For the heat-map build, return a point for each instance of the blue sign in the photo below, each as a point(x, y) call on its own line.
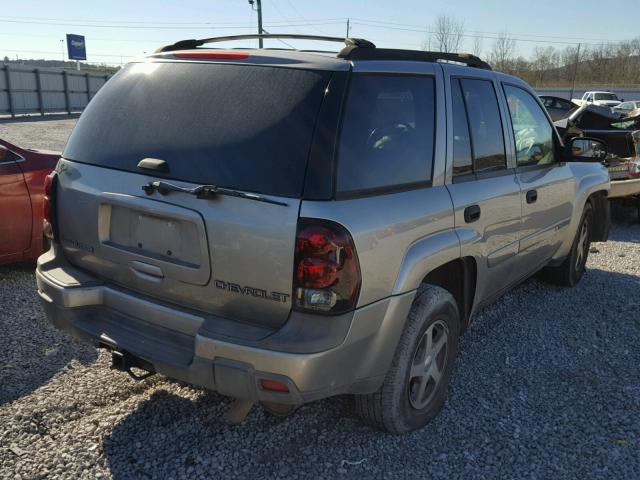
point(76, 48)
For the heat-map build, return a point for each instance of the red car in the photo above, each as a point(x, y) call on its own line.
point(22, 174)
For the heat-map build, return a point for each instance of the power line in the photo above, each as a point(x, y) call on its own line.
point(160, 27)
point(423, 28)
point(154, 22)
point(297, 12)
point(498, 35)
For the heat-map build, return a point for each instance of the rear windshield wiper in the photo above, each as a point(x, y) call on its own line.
point(204, 191)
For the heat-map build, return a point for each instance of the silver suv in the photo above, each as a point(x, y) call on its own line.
point(283, 226)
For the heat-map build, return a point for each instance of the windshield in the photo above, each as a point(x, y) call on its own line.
point(605, 96)
point(237, 126)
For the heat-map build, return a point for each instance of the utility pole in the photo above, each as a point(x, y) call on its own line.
point(258, 9)
point(575, 72)
point(347, 28)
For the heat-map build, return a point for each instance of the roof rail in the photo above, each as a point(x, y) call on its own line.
point(353, 53)
point(193, 43)
point(355, 49)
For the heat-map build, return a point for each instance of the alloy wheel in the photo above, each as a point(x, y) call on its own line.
point(583, 245)
point(429, 363)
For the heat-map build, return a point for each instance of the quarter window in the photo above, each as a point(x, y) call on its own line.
point(531, 129)
point(388, 132)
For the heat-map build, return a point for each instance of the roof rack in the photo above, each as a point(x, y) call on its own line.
point(193, 43)
point(354, 53)
point(355, 49)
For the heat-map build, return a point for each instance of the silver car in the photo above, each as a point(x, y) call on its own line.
point(283, 226)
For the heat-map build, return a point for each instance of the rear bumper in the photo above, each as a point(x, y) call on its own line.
point(624, 188)
point(351, 355)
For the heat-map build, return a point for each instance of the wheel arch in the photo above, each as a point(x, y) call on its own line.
point(436, 260)
point(458, 277)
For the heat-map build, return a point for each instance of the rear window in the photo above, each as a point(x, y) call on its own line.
point(237, 126)
point(605, 96)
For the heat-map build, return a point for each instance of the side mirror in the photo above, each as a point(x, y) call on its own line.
point(622, 99)
point(586, 149)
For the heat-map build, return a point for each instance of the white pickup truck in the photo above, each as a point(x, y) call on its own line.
point(605, 99)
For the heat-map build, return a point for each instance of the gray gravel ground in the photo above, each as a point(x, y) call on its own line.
point(48, 133)
point(546, 386)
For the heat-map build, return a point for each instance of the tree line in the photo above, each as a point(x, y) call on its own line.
point(603, 64)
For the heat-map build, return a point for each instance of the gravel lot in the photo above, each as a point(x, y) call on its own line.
point(546, 386)
point(48, 133)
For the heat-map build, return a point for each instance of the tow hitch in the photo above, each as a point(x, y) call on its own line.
point(124, 362)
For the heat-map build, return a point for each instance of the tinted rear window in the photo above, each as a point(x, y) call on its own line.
point(238, 126)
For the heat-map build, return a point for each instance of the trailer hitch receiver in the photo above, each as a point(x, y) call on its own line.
point(124, 362)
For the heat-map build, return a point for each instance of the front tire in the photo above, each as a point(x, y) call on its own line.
point(570, 272)
point(415, 387)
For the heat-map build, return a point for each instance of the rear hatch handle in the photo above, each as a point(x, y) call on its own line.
point(205, 192)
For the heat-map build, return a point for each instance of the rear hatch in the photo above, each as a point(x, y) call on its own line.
point(247, 128)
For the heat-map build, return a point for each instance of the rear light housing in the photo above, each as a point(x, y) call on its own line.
point(48, 205)
point(634, 168)
point(326, 276)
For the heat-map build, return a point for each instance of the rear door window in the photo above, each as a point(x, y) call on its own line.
point(485, 124)
point(388, 133)
point(238, 126)
point(478, 140)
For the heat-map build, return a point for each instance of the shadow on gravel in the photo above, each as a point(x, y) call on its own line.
point(31, 350)
point(169, 436)
point(537, 392)
point(625, 212)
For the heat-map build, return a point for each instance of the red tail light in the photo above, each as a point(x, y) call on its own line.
point(326, 277)
point(48, 205)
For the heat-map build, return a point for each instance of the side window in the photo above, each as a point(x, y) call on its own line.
point(566, 105)
point(485, 125)
point(531, 129)
point(388, 132)
point(548, 102)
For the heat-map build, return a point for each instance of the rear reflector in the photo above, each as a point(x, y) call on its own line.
point(274, 385)
point(47, 205)
point(212, 55)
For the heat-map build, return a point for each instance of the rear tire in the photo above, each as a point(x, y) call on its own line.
point(415, 386)
point(569, 273)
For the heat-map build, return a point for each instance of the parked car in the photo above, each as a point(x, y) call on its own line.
point(603, 99)
point(22, 176)
point(627, 107)
point(557, 107)
point(283, 226)
point(621, 134)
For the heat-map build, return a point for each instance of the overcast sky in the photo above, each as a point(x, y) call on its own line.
point(119, 30)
